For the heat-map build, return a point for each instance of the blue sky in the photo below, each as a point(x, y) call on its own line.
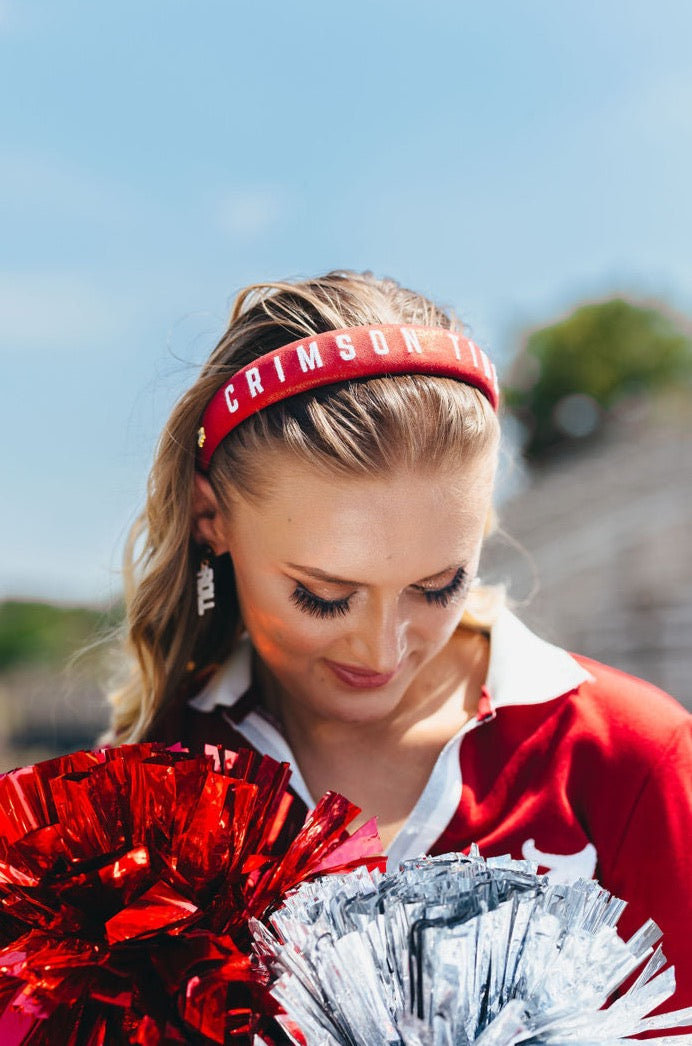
point(509, 159)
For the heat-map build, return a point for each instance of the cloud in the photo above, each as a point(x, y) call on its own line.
point(51, 310)
point(249, 213)
point(50, 184)
point(665, 105)
point(653, 112)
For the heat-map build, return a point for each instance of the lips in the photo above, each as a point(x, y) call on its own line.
point(360, 678)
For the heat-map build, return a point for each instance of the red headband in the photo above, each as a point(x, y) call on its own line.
point(325, 359)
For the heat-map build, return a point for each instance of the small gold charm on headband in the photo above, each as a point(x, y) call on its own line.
point(201, 437)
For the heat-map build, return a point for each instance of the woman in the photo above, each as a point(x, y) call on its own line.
point(306, 584)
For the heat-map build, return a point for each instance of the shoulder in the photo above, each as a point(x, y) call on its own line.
point(596, 711)
point(625, 738)
point(630, 707)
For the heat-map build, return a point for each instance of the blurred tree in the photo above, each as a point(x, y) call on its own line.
point(568, 375)
point(39, 633)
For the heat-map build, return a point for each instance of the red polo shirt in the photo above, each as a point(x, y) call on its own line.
point(578, 767)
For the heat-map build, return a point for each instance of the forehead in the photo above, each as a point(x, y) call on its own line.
point(349, 523)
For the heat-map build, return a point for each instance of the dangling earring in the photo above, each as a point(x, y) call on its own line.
point(205, 582)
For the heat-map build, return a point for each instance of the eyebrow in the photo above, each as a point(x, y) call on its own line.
point(323, 575)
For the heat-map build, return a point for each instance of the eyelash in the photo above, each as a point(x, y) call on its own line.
point(442, 596)
point(311, 604)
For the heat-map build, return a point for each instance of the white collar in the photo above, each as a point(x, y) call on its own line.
point(523, 669)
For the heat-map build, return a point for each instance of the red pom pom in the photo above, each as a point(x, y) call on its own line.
point(127, 878)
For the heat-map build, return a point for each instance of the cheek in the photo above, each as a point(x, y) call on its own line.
point(442, 623)
point(435, 625)
point(279, 631)
point(282, 639)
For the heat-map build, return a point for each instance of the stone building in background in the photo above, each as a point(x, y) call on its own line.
point(596, 550)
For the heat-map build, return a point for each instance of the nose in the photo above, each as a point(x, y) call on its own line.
point(379, 641)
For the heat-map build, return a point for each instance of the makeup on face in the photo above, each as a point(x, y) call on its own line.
point(311, 603)
point(349, 587)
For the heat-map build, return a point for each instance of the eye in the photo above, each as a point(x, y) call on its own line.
point(309, 603)
point(441, 597)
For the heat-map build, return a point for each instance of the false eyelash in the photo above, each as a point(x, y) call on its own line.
point(442, 596)
point(312, 604)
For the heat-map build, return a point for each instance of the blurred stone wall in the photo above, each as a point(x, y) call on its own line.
point(48, 712)
point(596, 551)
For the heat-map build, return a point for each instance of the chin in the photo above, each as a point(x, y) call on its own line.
point(364, 708)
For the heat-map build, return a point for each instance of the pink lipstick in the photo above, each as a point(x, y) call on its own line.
point(360, 678)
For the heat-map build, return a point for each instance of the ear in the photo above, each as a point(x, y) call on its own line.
point(207, 522)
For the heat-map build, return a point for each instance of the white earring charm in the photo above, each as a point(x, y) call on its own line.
point(205, 583)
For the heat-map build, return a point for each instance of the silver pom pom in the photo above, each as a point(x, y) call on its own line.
point(455, 950)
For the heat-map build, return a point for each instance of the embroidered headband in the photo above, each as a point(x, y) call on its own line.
point(325, 359)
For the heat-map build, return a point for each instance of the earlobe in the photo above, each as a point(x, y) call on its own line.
point(207, 523)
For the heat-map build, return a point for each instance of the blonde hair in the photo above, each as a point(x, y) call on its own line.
point(361, 427)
